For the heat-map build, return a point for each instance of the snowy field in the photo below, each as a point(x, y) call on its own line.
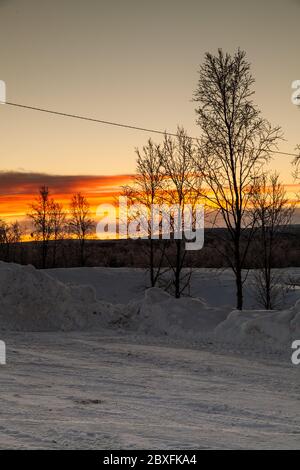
point(95, 361)
point(120, 285)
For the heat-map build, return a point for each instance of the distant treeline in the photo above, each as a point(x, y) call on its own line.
point(135, 253)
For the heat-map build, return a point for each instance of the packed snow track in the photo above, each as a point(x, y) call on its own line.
point(113, 391)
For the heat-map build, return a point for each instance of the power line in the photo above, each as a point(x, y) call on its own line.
point(86, 118)
point(111, 123)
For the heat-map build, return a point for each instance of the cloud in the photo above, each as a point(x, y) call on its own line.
point(18, 189)
point(18, 183)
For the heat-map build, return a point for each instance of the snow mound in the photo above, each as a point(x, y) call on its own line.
point(261, 328)
point(161, 314)
point(31, 300)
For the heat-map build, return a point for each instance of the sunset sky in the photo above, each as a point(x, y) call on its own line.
point(128, 61)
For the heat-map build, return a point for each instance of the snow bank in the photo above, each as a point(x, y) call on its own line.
point(31, 300)
point(261, 328)
point(161, 314)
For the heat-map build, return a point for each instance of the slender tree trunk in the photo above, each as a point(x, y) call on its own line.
point(268, 283)
point(239, 290)
point(178, 269)
point(152, 277)
point(268, 296)
point(238, 273)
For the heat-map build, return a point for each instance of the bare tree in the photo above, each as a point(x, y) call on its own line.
point(10, 235)
point(80, 222)
point(58, 221)
point(41, 216)
point(144, 191)
point(4, 245)
point(235, 143)
point(182, 187)
point(272, 213)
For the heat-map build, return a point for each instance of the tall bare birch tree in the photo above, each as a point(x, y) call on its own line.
point(235, 143)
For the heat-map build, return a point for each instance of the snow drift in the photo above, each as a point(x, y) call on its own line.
point(261, 328)
point(158, 313)
point(31, 300)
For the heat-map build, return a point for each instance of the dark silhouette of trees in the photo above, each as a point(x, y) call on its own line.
point(80, 222)
point(10, 235)
point(145, 190)
point(164, 187)
point(272, 213)
point(58, 221)
point(41, 216)
point(182, 188)
point(234, 145)
point(49, 224)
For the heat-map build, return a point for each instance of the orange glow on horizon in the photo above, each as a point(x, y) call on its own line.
point(18, 191)
point(15, 202)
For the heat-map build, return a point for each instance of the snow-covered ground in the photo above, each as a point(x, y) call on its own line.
point(104, 391)
point(96, 361)
point(120, 285)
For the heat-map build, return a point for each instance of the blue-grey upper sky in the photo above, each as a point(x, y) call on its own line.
point(134, 62)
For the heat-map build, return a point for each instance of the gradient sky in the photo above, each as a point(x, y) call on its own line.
point(134, 62)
